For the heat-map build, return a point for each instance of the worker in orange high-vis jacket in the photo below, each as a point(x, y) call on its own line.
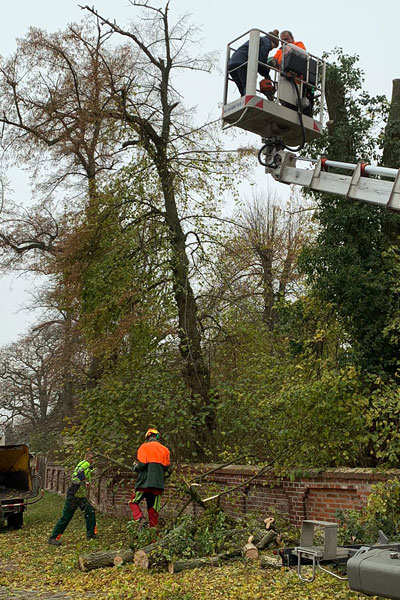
point(276, 61)
point(153, 464)
point(286, 37)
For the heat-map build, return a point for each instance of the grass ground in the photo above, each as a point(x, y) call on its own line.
point(27, 562)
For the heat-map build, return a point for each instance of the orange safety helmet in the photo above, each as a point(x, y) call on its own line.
point(152, 431)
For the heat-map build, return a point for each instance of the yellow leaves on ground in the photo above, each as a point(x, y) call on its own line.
point(27, 562)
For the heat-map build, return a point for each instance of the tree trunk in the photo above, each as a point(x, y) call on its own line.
point(195, 370)
point(269, 313)
point(391, 142)
point(391, 154)
point(342, 147)
point(98, 560)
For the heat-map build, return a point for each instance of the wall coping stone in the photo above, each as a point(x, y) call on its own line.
point(249, 470)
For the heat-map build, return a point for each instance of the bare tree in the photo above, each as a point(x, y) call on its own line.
point(56, 95)
point(257, 265)
point(31, 381)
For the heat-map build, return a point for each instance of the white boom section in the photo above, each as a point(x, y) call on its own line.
point(358, 186)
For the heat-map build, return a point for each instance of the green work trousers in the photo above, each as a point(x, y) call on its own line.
point(70, 506)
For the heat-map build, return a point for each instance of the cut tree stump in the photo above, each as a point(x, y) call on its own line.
point(143, 557)
point(98, 560)
point(249, 550)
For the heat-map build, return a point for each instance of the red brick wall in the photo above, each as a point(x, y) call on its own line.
point(312, 496)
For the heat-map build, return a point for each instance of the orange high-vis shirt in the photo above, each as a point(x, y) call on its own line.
point(278, 55)
point(153, 452)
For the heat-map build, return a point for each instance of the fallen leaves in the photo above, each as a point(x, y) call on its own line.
point(27, 562)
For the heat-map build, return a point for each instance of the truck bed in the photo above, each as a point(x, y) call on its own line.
point(12, 493)
point(15, 476)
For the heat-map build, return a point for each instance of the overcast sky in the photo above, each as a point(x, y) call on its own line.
point(365, 28)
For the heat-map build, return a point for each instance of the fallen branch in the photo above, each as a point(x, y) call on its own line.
point(266, 539)
point(236, 487)
point(235, 459)
point(112, 460)
point(147, 557)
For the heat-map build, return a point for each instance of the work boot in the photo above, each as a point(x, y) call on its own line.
point(54, 541)
point(91, 536)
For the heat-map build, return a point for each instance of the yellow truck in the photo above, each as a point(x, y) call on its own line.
point(17, 484)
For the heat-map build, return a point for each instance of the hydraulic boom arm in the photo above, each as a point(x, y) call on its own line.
point(361, 185)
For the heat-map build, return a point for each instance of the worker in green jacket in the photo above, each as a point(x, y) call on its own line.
point(77, 498)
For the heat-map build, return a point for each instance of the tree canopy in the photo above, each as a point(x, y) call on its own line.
point(269, 329)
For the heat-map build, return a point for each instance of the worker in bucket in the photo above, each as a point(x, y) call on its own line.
point(286, 38)
point(237, 65)
point(77, 498)
point(152, 466)
point(290, 45)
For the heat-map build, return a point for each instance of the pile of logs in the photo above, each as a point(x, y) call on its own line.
point(149, 556)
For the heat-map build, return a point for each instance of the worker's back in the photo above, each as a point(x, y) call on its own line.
point(153, 458)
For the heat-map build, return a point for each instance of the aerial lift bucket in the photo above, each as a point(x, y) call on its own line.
point(277, 117)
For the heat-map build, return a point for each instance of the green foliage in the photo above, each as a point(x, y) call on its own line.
point(382, 420)
point(357, 130)
point(292, 396)
point(44, 442)
point(190, 537)
point(139, 537)
point(350, 265)
point(115, 415)
point(351, 529)
point(382, 512)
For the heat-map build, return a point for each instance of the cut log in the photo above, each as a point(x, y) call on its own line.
point(98, 560)
point(205, 561)
point(249, 550)
point(258, 534)
point(266, 539)
point(144, 558)
point(124, 556)
point(141, 559)
point(269, 521)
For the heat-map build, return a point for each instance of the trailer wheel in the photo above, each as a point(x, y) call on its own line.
point(15, 520)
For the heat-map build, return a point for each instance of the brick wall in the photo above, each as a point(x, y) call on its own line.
point(316, 495)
